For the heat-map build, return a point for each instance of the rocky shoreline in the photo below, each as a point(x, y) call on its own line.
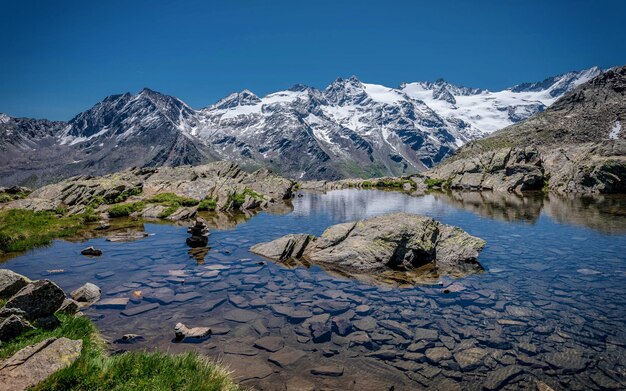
point(172, 193)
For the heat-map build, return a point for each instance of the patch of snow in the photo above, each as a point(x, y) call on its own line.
point(4, 118)
point(383, 94)
point(616, 130)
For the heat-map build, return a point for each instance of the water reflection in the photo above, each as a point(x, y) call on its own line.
point(496, 205)
point(603, 213)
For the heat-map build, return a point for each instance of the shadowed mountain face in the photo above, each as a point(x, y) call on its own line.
point(349, 129)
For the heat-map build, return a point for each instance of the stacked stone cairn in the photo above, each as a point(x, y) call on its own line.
point(199, 234)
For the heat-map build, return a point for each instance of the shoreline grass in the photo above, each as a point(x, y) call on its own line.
point(22, 229)
point(97, 370)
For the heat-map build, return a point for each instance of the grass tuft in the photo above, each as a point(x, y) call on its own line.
point(434, 182)
point(208, 204)
point(171, 198)
point(122, 210)
point(238, 199)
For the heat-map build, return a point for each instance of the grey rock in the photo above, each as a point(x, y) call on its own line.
point(88, 293)
point(327, 370)
point(291, 313)
point(181, 332)
point(13, 326)
point(362, 309)
point(69, 307)
point(385, 354)
point(130, 338)
point(241, 350)
point(569, 360)
point(470, 359)
point(47, 322)
point(38, 299)
point(140, 309)
point(366, 323)
point(184, 297)
point(33, 364)
point(247, 368)
point(11, 282)
point(240, 315)
point(271, 344)
point(289, 246)
point(426, 334)
point(499, 377)
point(92, 252)
point(287, 356)
point(113, 303)
point(396, 327)
point(341, 326)
point(393, 241)
point(436, 355)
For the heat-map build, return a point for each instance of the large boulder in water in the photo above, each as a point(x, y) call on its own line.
point(38, 299)
point(397, 241)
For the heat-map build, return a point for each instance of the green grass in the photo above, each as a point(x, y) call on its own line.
point(171, 198)
point(96, 370)
point(171, 202)
point(122, 210)
point(208, 204)
point(171, 208)
point(96, 201)
point(392, 183)
point(90, 215)
point(435, 182)
point(123, 196)
point(24, 229)
point(239, 198)
point(6, 197)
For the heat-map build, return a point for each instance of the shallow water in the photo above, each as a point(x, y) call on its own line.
point(550, 306)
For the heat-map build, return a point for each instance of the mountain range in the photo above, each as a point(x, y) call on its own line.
point(348, 129)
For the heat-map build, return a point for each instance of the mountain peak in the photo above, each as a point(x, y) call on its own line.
point(558, 85)
point(299, 87)
point(343, 91)
point(243, 98)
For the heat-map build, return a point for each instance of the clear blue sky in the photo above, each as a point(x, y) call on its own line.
point(58, 58)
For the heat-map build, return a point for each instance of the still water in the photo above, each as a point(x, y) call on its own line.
point(549, 308)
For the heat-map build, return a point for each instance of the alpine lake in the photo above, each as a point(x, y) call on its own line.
point(550, 307)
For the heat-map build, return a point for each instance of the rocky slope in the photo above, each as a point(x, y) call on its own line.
point(383, 248)
point(349, 129)
point(575, 146)
point(175, 193)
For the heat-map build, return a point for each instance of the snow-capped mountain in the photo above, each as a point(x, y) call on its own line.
point(486, 111)
point(350, 128)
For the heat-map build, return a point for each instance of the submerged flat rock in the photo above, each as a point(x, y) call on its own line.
point(140, 309)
